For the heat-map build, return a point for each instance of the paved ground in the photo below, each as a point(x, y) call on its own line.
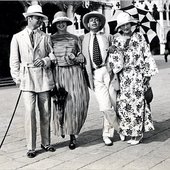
point(91, 153)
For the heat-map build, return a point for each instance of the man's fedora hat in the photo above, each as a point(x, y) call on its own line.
point(35, 10)
point(124, 18)
point(61, 16)
point(87, 16)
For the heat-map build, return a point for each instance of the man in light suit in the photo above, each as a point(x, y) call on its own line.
point(98, 75)
point(30, 69)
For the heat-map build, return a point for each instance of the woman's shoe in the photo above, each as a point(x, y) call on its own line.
point(72, 144)
point(130, 141)
point(122, 137)
point(31, 154)
point(48, 148)
point(135, 140)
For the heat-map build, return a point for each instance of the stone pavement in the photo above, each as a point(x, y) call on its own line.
point(91, 154)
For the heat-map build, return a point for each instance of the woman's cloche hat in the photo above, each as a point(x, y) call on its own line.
point(35, 10)
point(124, 18)
point(61, 16)
point(87, 16)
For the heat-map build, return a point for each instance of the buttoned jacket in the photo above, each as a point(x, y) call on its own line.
point(22, 56)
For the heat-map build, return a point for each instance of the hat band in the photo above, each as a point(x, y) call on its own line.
point(37, 13)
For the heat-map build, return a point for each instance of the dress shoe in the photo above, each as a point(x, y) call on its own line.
point(107, 141)
point(122, 137)
point(72, 144)
point(48, 148)
point(31, 154)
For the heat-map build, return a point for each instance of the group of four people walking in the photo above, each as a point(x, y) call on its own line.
point(117, 68)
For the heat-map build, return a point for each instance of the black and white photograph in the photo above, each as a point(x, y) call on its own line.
point(85, 85)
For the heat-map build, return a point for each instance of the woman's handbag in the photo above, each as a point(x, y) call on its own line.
point(148, 95)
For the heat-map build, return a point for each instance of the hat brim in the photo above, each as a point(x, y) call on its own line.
point(69, 22)
point(132, 22)
point(35, 14)
point(89, 15)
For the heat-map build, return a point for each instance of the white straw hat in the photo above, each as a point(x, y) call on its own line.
point(35, 10)
point(61, 16)
point(124, 18)
point(87, 16)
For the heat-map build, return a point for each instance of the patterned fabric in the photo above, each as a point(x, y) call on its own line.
point(131, 106)
point(70, 77)
point(97, 58)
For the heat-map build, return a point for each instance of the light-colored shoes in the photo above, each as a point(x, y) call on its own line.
point(135, 140)
point(122, 137)
point(130, 141)
point(107, 141)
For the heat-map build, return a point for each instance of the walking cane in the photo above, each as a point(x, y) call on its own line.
point(11, 119)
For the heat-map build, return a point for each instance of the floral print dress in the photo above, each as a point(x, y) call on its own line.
point(133, 112)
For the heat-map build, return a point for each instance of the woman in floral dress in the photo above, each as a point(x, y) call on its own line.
point(138, 67)
point(69, 75)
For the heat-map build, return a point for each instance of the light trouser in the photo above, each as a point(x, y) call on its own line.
point(106, 97)
point(44, 106)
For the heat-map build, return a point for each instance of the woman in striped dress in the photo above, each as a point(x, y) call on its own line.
point(69, 75)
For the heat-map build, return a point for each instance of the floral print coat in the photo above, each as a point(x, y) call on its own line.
point(138, 63)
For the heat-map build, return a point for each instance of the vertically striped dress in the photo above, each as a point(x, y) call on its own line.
point(70, 76)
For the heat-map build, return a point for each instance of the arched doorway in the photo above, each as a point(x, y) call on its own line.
point(10, 22)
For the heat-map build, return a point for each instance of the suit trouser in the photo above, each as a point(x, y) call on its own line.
point(44, 106)
point(106, 99)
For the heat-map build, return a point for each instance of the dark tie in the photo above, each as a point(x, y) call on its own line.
point(32, 38)
point(97, 58)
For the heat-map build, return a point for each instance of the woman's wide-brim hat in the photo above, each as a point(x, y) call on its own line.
point(61, 16)
point(35, 10)
point(87, 16)
point(124, 18)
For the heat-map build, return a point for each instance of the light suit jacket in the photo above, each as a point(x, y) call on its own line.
point(85, 40)
point(22, 56)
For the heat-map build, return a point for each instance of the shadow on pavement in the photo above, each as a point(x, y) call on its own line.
point(160, 134)
point(93, 137)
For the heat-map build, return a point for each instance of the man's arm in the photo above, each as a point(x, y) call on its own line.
point(15, 60)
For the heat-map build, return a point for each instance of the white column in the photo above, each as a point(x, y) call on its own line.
point(34, 2)
point(167, 14)
point(79, 31)
point(70, 15)
point(162, 31)
point(108, 14)
point(100, 10)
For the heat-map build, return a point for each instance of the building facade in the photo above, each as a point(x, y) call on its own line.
point(12, 20)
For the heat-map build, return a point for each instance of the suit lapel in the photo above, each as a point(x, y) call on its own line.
point(37, 39)
point(26, 38)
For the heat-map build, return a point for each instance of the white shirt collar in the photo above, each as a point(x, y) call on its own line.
point(97, 33)
point(29, 30)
